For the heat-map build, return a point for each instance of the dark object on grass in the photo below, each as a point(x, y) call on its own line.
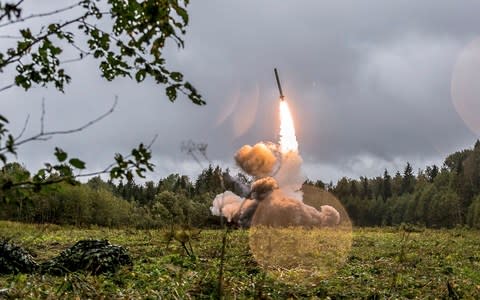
point(14, 259)
point(91, 256)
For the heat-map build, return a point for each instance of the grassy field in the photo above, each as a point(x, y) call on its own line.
point(375, 263)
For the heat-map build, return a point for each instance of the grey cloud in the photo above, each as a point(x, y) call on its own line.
point(368, 81)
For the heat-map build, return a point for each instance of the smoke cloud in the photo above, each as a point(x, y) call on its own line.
point(226, 204)
point(275, 197)
point(290, 177)
point(330, 216)
point(258, 161)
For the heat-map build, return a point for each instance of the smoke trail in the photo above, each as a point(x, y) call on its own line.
point(288, 140)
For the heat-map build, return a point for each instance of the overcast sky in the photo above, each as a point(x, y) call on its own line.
point(372, 85)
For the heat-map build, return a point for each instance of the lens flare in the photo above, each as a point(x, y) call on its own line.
point(300, 255)
point(465, 89)
point(288, 140)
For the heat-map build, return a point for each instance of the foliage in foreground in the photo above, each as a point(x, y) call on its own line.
point(127, 38)
point(385, 263)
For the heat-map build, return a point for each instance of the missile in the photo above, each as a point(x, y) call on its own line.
point(278, 84)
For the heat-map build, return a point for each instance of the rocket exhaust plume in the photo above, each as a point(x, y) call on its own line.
point(277, 186)
point(294, 236)
point(288, 140)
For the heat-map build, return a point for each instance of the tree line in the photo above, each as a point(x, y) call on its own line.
point(175, 199)
point(443, 196)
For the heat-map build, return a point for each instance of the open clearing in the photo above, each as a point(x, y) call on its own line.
point(382, 263)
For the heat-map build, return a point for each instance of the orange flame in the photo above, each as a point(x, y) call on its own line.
point(288, 140)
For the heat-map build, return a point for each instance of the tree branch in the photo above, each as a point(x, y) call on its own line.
point(83, 54)
point(16, 56)
point(13, 37)
point(109, 167)
point(42, 117)
point(55, 180)
point(42, 135)
point(6, 87)
point(24, 128)
point(40, 14)
point(6, 13)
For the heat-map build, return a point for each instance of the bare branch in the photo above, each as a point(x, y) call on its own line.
point(68, 61)
point(55, 180)
point(6, 87)
point(46, 135)
point(149, 146)
point(80, 49)
point(24, 128)
point(191, 148)
point(30, 183)
point(40, 14)
point(83, 54)
point(88, 124)
point(15, 37)
point(42, 117)
point(109, 167)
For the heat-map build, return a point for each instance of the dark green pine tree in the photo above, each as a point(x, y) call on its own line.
point(408, 182)
point(387, 186)
point(431, 173)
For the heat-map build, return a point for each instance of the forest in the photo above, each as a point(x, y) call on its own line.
point(436, 197)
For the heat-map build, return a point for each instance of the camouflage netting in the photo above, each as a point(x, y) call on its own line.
point(14, 259)
point(91, 256)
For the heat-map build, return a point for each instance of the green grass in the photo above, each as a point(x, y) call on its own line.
point(381, 263)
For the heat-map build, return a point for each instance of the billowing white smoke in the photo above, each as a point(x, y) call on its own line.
point(330, 216)
point(265, 159)
point(226, 204)
point(280, 211)
point(276, 196)
point(289, 176)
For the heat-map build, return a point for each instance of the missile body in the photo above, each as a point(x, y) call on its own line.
point(278, 84)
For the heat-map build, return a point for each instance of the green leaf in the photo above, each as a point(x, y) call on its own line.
point(77, 163)
point(171, 92)
point(140, 75)
point(26, 33)
point(60, 154)
point(98, 53)
point(129, 176)
point(176, 76)
point(3, 119)
point(40, 176)
point(52, 27)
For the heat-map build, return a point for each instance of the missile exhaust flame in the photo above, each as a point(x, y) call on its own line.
point(288, 140)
